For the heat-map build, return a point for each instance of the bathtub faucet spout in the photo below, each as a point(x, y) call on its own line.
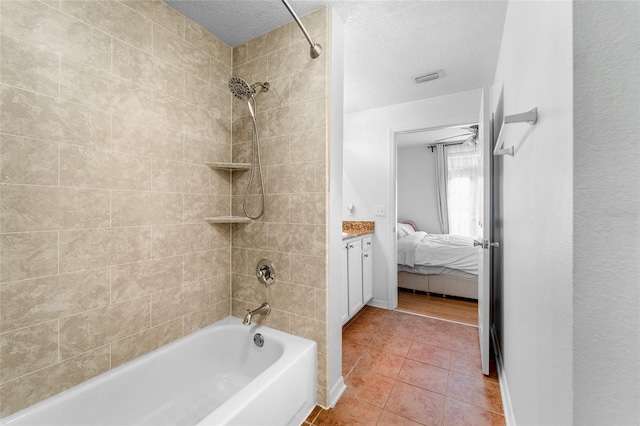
point(264, 309)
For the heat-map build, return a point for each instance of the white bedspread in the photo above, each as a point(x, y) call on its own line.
point(452, 251)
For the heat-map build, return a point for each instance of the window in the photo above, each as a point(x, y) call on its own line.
point(463, 189)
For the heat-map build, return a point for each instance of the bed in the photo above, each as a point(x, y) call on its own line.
point(437, 263)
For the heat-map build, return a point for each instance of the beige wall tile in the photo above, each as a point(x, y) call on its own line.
point(114, 18)
point(27, 390)
point(94, 248)
point(28, 161)
point(24, 303)
point(160, 13)
point(179, 301)
point(219, 236)
point(221, 129)
point(308, 146)
point(102, 140)
point(293, 298)
point(131, 347)
point(294, 118)
point(37, 24)
point(250, 235)
point(309, 83)
point(240, 54)
point(85, 85)
point(39, 208)
point(239, 260)
point(309, 208)
point(176, 114)
point(178, 52)
point(89, 330)
point(294, 58)
point(199, 206)
point(133, 136)
point(198, 266)
point(28, 114)
point(29, 68)
point(219, 288)
point(269, 42)
point(276, 151)
point(138, 279)
point(134, 208)
point(277, 208)
point(28, 255)
point(248, 289)
point(173, 240)
point(202, 93)
point(28, 349)
point(147, 70)
point(322, 313)
point(310, 329)
point(204, 150)
point(86, 167)
point(209, 315)
point(279, 95)
point(313, 273)
point(291, 178)
point(220, 74)
point(203, 40)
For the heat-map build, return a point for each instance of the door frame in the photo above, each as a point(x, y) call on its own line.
point(392, 289)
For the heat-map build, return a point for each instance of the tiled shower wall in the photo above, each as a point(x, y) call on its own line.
point(108, 111)
point(293, 128)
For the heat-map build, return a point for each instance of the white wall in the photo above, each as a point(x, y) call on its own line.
point(336, 383)
point(535, 70)
point(368, 154)
point(607, 213)
point(416, 192)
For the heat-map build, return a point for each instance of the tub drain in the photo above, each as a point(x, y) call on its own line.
point(258, 340)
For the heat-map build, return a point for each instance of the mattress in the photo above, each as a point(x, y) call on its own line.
point(438, 250)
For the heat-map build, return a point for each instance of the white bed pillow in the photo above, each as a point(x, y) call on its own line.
point(403, 229)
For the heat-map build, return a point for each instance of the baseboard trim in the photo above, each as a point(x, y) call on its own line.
point(378, 303)
point(336, 392)
point(509, 416)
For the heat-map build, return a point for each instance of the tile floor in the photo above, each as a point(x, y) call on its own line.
point(404, 369)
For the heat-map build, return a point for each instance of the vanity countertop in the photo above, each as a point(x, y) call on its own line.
point(352, 229)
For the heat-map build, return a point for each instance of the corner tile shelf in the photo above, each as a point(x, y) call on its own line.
point(229, 166)
point(228, 219)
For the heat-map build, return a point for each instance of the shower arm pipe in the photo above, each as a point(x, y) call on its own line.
point(316, 49)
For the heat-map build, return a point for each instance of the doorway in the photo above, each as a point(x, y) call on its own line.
point(443, 283)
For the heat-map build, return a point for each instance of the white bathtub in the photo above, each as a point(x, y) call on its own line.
point(215, 376)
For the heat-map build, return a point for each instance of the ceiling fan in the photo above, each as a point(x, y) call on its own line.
point(470, 136)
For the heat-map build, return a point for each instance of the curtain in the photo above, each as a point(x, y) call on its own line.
point(463, 189)
point(441, 188)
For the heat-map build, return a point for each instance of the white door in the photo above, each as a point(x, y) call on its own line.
point(484, 265)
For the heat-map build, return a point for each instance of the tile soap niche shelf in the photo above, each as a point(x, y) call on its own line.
point(228, 219)
point(229, 166)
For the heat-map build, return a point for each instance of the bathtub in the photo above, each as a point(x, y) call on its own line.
point(215, 376)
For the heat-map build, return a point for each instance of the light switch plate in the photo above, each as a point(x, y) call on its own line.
point(381, 210)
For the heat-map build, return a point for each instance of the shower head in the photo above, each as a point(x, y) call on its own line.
point(241, 89)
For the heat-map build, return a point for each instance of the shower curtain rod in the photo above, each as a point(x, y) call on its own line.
point(316, 49)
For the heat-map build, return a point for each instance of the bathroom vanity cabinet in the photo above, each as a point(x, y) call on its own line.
point(357, 275)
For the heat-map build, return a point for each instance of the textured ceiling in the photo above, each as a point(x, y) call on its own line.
point(387, 43)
